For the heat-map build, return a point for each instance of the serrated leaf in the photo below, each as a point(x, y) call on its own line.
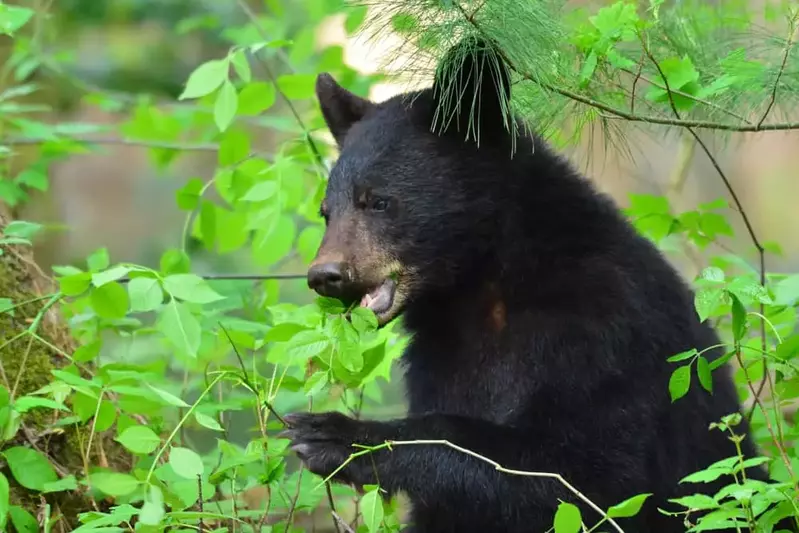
point(704, 373)
point(191, 288)
point(185, 462)
point(696, 501)
point(363, 319)
point(205, 79)
point(114, 483)
point(139, 439)
point(30, 468)
point(706, 301)
point(629, 507)
point(680, 382)
point(227, 102)
point(567, 518)
point(372, 510)
point(307, 344)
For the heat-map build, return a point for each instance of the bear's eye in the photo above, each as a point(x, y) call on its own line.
point(379, 204)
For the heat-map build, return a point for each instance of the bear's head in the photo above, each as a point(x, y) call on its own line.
point(406, 208)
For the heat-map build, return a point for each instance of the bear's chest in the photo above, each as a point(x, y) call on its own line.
point(480, 385)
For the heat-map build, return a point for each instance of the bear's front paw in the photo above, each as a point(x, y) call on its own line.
point(325, 442)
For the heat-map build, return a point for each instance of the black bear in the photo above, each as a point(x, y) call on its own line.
point(540, 321)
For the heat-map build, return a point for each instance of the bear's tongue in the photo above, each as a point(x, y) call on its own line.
point(380, 299)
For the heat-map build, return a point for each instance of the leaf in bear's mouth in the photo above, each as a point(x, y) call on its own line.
point(381, 298)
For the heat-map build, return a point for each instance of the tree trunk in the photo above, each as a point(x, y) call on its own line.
point(27, 362)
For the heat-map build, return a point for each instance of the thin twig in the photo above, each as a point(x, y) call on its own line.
point(246, 378)
point(510, 471)
point(240, 277)
point(340, 522)
point(273, 78)
point(332, 504)
point(184, 147)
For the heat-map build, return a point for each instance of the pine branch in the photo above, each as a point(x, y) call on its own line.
point(788, 45)
point(620, 113)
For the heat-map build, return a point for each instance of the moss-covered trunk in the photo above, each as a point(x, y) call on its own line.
point(27, 361)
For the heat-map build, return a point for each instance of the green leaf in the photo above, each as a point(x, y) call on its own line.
point(114, 484)
point(241, 65)
point(110, 301)
point(307, 344)
point(713, 274)
point(680, 382)
point(629, 507)
point(12, 18)
point(23, 521)
point(271, 246)
point(738, 318)
point(75, 284)
point(26, 403)
point(283, 332)
point(145, 294)
point(174, 262)
point(4, 501)
point(180, 326)
point(404, 22)
point(30, 468)
point(234, 147)
point(185, 462)
point(697, 501)
point(315, 383)
point(308, 242)
point(68, 483)
point(227, 101)
point(363, 319)
point(297, 86)
point(139, 439)
point(98, 260)
point(107, 276)
point(355, 17)
point(188, 196)
point(567, 518)
point(205, 79)
point(168, 397)
point(682, 356)
point(786, 291)
point(191, 288)
point(207, 421)
point(255, 98)
point(87, 352)
point(22, 229)
point(706, 301)
point(261, 191)
point(704, 373)
point(372, 510)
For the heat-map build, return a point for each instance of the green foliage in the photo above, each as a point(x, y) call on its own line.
point(189, 374)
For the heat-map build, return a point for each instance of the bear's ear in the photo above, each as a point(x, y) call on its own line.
point(340, 108)
point(472, 92)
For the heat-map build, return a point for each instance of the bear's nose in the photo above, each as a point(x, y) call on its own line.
point(328, 279)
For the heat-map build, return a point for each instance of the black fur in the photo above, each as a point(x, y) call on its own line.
point(540, 321)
